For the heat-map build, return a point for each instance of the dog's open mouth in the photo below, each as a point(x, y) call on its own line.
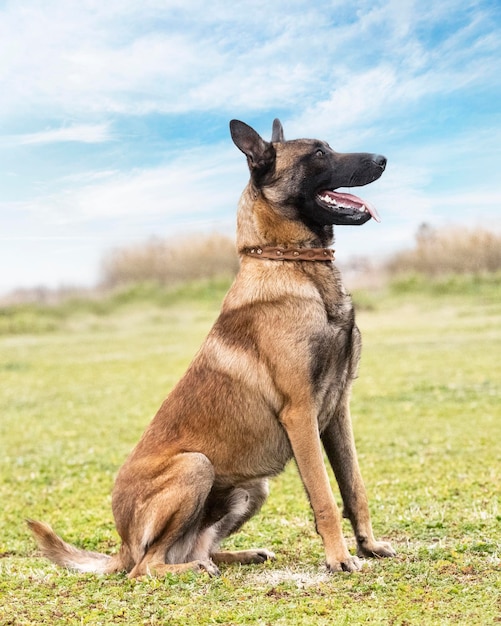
point(347, 208)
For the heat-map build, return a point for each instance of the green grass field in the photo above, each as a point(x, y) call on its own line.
point(79, 383)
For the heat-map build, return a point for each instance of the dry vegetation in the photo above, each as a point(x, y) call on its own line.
point(436, 253)
point(449, 251)
point(168, 263)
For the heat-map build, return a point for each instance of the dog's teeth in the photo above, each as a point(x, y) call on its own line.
point(328, 199)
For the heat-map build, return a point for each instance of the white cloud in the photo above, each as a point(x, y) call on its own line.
point(142, 57)
point(353, 104)
point(83, 133)
point(181, 190)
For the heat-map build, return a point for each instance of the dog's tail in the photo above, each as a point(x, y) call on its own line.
point(66, 555)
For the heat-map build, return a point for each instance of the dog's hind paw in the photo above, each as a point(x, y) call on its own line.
point(260, 555)
point(244, 557)
point(208, 566)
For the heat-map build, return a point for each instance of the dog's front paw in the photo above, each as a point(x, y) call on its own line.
point(375, 549)
point(347, 564)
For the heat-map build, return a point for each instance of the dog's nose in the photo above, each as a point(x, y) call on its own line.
point(379, 160)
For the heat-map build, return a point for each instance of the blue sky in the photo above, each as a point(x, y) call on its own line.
point(114, 117)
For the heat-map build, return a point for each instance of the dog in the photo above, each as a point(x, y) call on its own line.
point(271, 382)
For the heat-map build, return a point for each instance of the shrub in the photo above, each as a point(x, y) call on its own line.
point(167, 262)
point(449, 251)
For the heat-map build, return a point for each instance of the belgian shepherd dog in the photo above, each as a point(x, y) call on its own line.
point(271, 382)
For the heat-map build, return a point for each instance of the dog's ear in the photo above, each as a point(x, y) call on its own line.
point(277, 135)
point(260, 153)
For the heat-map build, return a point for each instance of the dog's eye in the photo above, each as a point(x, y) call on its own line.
point(319, 152)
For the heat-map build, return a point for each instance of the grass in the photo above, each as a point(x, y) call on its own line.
point(94, 308)
point(426, 411)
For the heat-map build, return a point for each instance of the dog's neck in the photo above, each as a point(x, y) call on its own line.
point(261, 227)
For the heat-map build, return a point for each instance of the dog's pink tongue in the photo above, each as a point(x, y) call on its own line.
point(348, 199)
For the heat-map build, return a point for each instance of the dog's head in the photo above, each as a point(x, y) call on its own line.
point(304, 176)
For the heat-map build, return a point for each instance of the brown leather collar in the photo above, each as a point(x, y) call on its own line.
point(290, 254)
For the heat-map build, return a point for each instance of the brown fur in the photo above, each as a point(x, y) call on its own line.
point(271, 382)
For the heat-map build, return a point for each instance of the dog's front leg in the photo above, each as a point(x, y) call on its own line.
point(339, 444)
point(302, 430)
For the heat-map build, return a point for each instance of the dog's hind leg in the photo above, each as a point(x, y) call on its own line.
point(243, 502)
point(161, 525)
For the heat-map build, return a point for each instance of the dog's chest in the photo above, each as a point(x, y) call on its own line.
point(334, 356)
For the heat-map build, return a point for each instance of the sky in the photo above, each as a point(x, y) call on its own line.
point(114, 118)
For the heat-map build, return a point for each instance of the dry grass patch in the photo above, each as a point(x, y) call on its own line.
point(169, 262)
point(452, 250)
